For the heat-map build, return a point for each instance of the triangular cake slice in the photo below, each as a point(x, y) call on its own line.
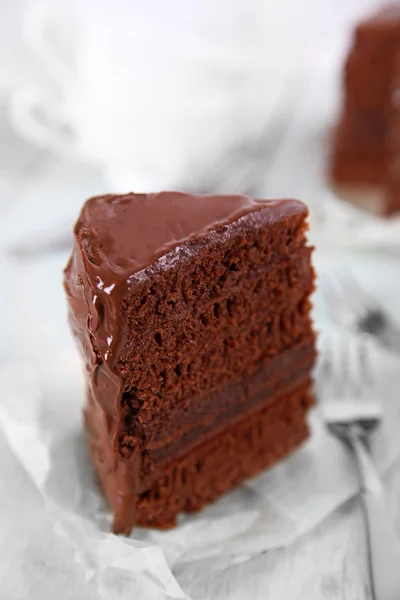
point(193, 317)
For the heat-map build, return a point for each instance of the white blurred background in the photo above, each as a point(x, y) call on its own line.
point(157, 93)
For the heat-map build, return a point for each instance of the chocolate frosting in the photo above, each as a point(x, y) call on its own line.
point(122, 239)
point(128, 233)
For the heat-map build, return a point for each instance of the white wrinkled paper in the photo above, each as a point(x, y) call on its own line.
point(41, 418)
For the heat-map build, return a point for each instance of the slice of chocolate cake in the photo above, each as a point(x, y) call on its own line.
point(365, 161)
point(193, 317)
point(359, 152)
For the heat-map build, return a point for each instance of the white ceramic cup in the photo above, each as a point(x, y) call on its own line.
point(153, 92)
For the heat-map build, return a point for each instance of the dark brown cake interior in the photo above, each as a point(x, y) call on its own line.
point(203, 336)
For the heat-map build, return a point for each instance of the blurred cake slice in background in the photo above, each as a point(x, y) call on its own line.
point(364, 147)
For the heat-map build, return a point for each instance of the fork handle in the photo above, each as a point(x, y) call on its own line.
point(383, 542)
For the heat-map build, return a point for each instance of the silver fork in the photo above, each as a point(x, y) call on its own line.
point(352, 307)
point(350, 405)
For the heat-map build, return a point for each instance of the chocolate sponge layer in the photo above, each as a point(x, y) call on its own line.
point(203, 473)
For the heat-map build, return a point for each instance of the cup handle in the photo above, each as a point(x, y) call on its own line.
point(34, 31)
point(35, 116)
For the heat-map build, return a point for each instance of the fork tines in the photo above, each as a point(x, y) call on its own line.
point(346, 384)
